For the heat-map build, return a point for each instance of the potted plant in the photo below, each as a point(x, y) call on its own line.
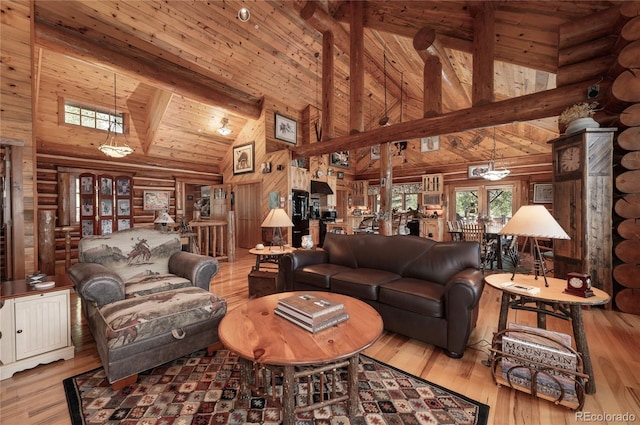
point(578, 117)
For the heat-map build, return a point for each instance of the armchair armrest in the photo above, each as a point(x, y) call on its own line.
point(96, 283)
point(462, 296)
point(292, 261)
point(199, 269)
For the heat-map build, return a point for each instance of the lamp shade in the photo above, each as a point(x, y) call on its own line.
point(277, 217)
point(534, 221)
point(164, 218)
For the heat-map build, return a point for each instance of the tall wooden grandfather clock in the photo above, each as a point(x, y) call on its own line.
point(582, 204)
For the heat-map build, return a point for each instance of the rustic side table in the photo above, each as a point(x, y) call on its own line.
point(264, 278)
point(550, 301)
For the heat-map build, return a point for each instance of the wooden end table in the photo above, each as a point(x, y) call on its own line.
point(550, 301)
point(265, 278)
point(260, 337)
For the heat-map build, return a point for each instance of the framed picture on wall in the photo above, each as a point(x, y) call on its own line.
point(430, 144)
point(243, 159)
point(155, 200)
point(286, 129)
point(339, 159)
point(375, 152)
point(475, 171)
point(542, 193)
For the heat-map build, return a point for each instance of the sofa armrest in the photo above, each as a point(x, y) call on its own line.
point(462, 296)
point(96, 283)
point(199, 269)
point(292, 261)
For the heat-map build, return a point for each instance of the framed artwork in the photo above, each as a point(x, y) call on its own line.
point(106, 227)
point(375, 152)
point(430, 144)
point(124, 223)
point(86, 185)
point(475, 171)
point(155, 200)
point(106, 207)
point(87, 228)
point(243, 159)
point(339, 159)
point(87, 207)
point(124, 207)
point(340, 175)
point(265, 167)
point(543, 193)
point(123, 186)
point(106, 186)
point(286, 129)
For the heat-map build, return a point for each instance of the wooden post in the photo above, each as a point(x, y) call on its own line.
point(356, 68)
point(484, 40)
point(64, 197)
point(47, 242)
point(328, 119)
point(386, 176)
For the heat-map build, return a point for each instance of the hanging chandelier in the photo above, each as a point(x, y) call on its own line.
point(491, 173)
point(110, 147)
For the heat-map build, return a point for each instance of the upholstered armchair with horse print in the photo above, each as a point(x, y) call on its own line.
point(146, 301)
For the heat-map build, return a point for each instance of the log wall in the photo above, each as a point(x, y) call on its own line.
point(626, 213)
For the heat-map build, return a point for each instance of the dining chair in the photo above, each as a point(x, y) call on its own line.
point(475, 232)
point(455, 230)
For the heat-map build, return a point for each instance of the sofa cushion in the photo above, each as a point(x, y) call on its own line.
point(132, 252)
point(139, 318)
point(318, 274)
point(415, 295)
point(361, 283)
point(153, 283)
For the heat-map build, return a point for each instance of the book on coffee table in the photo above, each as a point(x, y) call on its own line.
point(310, 306)
point(316, 326)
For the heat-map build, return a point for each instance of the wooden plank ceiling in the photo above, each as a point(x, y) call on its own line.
point(184, 66)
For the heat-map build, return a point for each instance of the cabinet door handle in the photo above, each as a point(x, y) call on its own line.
point(19, 331)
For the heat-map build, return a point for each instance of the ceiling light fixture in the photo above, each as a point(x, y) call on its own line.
point(244, 15)
point(110, 147)
point(224, 130)
point(491, 173)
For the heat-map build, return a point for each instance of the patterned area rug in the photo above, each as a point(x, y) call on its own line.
point(204, 390)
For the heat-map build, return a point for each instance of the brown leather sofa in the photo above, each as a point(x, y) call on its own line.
point(423, 289)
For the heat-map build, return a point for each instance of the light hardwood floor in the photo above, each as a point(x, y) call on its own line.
point(36, 396)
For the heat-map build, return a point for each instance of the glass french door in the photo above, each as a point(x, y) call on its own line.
point(492, 203)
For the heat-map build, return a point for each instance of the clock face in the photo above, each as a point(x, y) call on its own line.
point(569, 159)
point(575, 282)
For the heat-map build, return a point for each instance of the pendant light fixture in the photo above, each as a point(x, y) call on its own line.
point(110, 147)
point(492, 173)
point(384, 121)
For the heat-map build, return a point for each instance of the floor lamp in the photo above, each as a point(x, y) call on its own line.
point(534, 221)
point(277, 218)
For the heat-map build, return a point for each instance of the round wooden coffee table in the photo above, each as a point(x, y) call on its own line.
point(261, 338)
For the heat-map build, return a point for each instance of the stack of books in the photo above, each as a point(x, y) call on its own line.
point(311, 312)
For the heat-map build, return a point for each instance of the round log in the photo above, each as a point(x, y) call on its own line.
point(631, 161)
point(629, 251)
point(631, 30)
point(628, 206)
point(630, 139)
point(424, 39)
point(628, 182)
point(629, 57)
point(628, 301)
point(627, 87)
point(631, 116)
point(47, 241)
point(630, 9)
point(627, 275)
point(629, 229)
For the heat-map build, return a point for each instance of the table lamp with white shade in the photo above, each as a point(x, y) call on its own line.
point(163, 219)
point(534, 221)
point(277, 218)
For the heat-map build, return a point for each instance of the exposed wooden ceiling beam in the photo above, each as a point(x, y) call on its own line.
point(158, 73)
point(529, 107)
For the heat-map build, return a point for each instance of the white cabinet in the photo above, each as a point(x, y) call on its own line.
point(35, 329)
point(432, 228)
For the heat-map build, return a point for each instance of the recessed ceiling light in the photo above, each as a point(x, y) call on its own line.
point(243, 14)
